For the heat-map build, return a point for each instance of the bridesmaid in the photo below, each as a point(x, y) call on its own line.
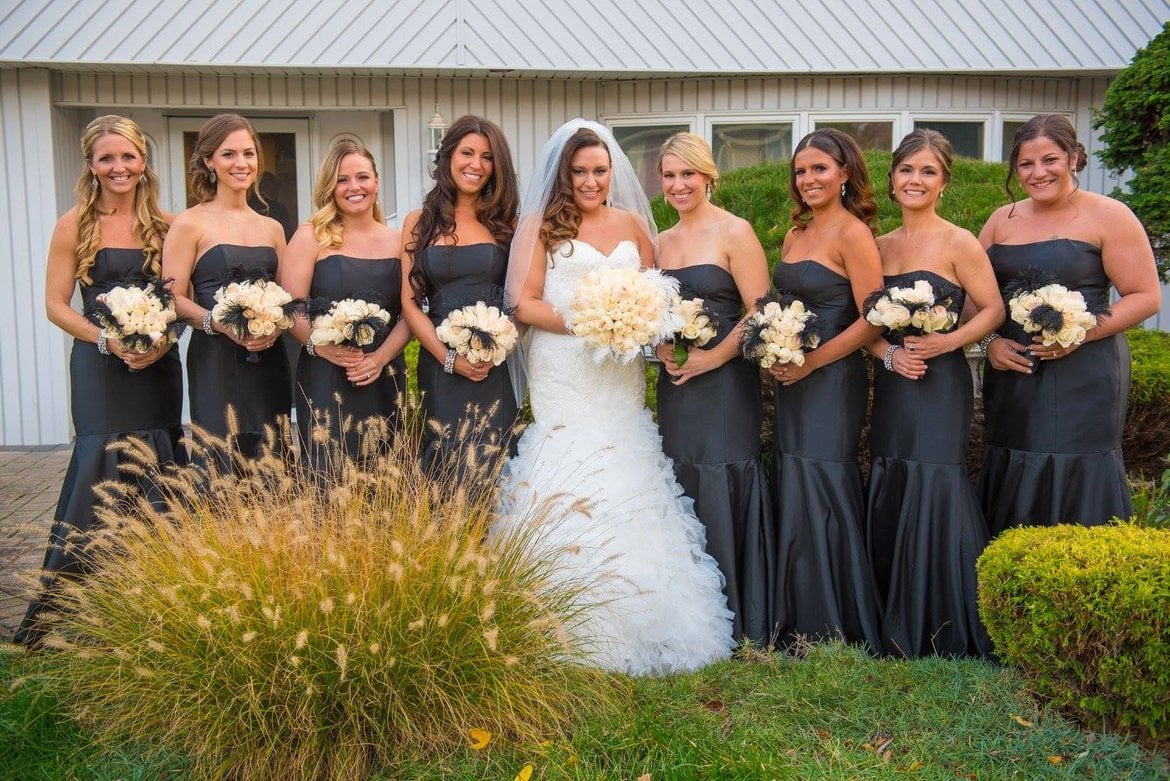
point(709, 409)
point(925, 526)
point(207, 240)
point(1055, 414)
point(824, 586)
point(345, 251)
point(113, 234)
point(456, 253)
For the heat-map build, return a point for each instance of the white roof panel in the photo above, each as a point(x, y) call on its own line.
point(618, 37)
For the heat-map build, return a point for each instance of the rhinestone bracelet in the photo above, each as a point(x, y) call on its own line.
point(986, 341)
point(101, 343)
point(888, 361)
point(207, 329)
point(311, 348)
point(449, 364)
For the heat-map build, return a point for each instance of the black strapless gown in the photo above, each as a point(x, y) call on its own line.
point(109, 402)
point(458, 276)
point(1054, 437)
point(218, 372)
point(322, 386)
point(925, 526)
point(824, 586)
point(710, 428)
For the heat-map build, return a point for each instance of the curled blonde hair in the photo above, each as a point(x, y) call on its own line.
point(694, 151)
point(150, 227)
point(326, 222)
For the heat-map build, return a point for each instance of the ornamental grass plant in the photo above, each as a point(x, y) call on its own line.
point(269, 625)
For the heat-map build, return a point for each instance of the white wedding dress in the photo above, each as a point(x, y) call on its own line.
point(654, 598)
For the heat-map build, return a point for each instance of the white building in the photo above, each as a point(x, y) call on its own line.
point(750, 75)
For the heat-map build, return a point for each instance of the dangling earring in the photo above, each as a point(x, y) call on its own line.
point(93, 181)
point(940, 193)
point(710, 189)
point(211, 176)
point(487, 190)
point(843, 189)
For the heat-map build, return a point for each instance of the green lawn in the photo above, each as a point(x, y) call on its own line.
point(835, 714)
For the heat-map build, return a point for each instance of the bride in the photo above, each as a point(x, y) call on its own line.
point(654, 598)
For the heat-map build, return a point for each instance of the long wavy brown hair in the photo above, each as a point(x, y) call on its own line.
point(496, 209)
point(150, 227)
point(562, 216)
point(858, 198)
point(210, 137)
point(327, 224)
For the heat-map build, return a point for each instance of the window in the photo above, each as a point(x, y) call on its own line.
point(1010, 128)
point(868, 135)
point(641, 144)
point(965, 137)
point(740, 145)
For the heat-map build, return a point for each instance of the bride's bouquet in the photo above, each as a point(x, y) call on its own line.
point(912, 311)
point(251, 305)
point(698, 326)
point(779, 331)
point(618, 310)
point(1043, 306)
point(353, 322)
point(480, 332)
point(138, 313)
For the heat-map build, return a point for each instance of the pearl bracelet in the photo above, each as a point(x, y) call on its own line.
point(101, 343)
point(449, 364)
point(986, 341)
point(207, 329)
point(888, 361)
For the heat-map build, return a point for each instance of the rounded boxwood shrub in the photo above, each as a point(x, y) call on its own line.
point(1085, 613)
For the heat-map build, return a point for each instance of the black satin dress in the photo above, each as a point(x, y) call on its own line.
point(710, 428)
point(824, 586)
point(218, 371)
point(458, 276)
point(341, 407)
point(1054, 437)
point(109, 402)
point(925, 526)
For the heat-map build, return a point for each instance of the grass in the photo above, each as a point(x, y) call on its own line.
point(835, 714)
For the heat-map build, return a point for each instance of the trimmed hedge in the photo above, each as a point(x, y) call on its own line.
point(1146, 441)
point(1084, 612)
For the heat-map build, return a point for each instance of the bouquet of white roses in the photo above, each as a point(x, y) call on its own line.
point(480, 332)
point(139, 313)
point(698, 326)
point(1043, 306)
point(618, 310)
point(913, 311)
point(353, 322)
point(779, 331)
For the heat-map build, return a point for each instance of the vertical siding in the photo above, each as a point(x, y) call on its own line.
point(33, 403)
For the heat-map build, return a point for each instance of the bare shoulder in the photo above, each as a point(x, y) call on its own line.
point(67, 222)
point(854, 230)
point(736, 227)
point(392, 236)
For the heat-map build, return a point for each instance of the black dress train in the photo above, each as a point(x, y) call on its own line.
point(824, 586)
point(711, 430)
point(109, 403)
point(925, 526)
point(219, 373)
point(457, 276)
point(322, 386)
point(1054, 436)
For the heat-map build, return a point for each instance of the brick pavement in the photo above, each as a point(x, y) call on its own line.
point(30, 479)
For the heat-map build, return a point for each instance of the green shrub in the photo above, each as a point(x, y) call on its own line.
point(1151, 503)
point(268, 629)
point(1084, 612)
point(1146, 440)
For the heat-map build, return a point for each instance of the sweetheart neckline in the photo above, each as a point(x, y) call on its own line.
point(605, 255)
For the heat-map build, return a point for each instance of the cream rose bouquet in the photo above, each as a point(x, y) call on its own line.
point(618, 310)
point(251, 305)
point(698, 326)
point(480, 332)
point(1043, 306)
point(912, 311)
point(779, 331)
point(139, 313)
point(353, 322)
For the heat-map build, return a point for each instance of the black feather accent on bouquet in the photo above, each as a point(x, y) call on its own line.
point(810, 337)
point(100, 314)
point(495, 295)
point(244, 274)
point(751, 341)
point(234, 316)
point(686, 293)
point(1033, 278)
point(1048, 318)
point(373, 327)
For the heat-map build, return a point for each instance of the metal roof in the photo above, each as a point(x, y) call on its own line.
point(562, 37)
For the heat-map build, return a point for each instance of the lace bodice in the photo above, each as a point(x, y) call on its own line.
point(568, 387)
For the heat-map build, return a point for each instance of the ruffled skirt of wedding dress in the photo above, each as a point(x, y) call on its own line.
point(591, 477)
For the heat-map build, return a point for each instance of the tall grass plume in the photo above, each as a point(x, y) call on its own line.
point(271, 625)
